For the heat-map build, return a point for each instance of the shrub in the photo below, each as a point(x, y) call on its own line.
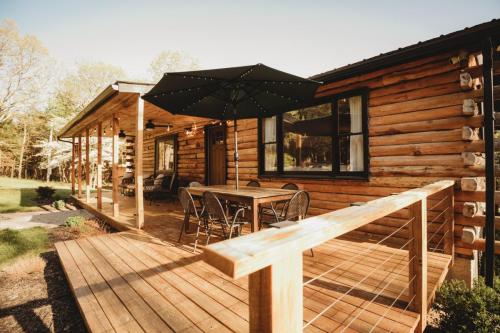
point(75, 221)
point(59, 204)
point(45, 192)
point(468, 310)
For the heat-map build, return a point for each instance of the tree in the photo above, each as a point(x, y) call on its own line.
point(77, 89)
point(23, 70)
point(171, 61)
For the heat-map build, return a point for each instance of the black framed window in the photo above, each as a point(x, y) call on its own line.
point(327, 139)
point(165, 154)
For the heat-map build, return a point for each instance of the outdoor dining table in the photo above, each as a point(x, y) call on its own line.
point(246, 195)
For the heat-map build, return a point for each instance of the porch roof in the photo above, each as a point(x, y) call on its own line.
point(119, 100)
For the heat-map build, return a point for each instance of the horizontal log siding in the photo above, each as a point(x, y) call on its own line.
point(415, 130)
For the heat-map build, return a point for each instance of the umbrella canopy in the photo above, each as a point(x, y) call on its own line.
point(232, 93)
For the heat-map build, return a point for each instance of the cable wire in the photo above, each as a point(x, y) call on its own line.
point(359, 254)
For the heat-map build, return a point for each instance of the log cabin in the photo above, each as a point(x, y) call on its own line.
point(377, 128)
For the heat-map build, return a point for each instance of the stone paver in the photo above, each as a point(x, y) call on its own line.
point(39, 219)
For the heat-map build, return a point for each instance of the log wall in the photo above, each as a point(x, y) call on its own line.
point(423, 127)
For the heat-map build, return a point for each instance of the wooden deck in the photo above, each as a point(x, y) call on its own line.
point(133, 281)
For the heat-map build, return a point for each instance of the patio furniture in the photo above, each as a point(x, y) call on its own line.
point(191, 210)
point(231, 94)
point(249, 196)
point(295, 209)
point(216, 214)
point(275, 209)
point(162, 188)
point(127, 179)
point(253, 183)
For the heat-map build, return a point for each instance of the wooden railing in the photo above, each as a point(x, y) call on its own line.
point(273, 258)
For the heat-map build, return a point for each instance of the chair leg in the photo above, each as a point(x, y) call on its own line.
point(182, 230)
point(197, 235)
point(312, 253)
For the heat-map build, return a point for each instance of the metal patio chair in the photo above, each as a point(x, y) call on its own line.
point(190, 210)
point(276, 209)
point(253, 183)
point(294, 211)
point(216, 214)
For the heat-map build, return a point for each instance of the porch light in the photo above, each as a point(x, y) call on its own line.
point(151, 126)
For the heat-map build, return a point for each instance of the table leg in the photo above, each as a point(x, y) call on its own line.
point(254, 219)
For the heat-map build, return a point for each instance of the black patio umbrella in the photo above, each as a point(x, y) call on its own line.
point(231, 94)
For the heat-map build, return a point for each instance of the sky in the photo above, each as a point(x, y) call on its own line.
point(300, 37)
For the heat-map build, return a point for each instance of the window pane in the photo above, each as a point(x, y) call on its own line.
point(269, 129)
point(351, 153)
point(350, 115)
point(166, 155)
point(270, 158)
point(307, 141)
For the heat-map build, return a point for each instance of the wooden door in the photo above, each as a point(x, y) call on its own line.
point(216, 155)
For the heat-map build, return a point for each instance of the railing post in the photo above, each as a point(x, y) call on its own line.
point(276, 296)
point(449, 228)
point(418, 265)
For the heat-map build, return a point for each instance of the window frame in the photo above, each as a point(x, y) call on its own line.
point(159, 139)
point(335, 172)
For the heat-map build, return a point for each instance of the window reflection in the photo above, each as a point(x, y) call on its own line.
point(307, 141)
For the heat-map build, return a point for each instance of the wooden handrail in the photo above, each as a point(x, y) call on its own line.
point(244, 255)
point(273, 257)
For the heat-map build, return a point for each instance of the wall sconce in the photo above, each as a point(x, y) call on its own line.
point(122, 134)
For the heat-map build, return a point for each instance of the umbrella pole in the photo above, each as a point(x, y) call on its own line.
point(236, 156)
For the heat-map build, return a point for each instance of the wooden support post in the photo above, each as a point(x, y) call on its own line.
point(116, 193)
point(79, 165)
point(99, 165)
point(73, 165)
point(275, 296)
point(139, 197)
point(449, 228)
point(87, 164)
point(418, 265)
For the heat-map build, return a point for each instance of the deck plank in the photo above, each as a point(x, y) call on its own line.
point(117, 313)
point(92, 313)
point(132, 276)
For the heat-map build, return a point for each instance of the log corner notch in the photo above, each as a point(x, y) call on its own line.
point(469, 107)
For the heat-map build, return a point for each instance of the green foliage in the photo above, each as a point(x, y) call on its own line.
point(19, 195)
point(45, 192)
point(75, 221)
point(468, 310)
point(14, 243)
point(59, 204)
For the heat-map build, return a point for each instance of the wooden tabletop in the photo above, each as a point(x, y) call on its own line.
point(243, 191)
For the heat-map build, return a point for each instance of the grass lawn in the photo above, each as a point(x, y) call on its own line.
point(19, 195)
point(16, 243)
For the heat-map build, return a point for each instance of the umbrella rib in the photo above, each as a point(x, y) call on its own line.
point(252, 97)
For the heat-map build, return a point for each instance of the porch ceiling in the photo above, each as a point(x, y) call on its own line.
point(120, 100)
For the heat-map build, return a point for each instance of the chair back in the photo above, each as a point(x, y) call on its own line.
point(128, 178)
point(253, 183)
point(187, 201)
point(296, 209)
point(290, 186)
point(194, 184)
point(214, 207)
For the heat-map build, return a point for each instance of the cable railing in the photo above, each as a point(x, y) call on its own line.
point(388, 271)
